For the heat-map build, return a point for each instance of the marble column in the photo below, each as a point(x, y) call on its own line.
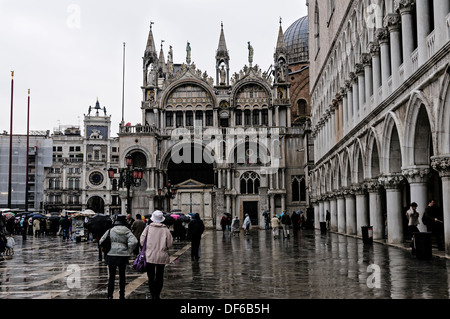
point(408, 43)
point(383, 38)
point(362, 209)
point(394, 207)
point(341, 226)
point(423, 29)
point(321, 207)
point(366, 60)
point(348, 125)
point(361, 89)
point(374, 49)
point(375, 209)
point(350, 212)
point(344, 110)
point(418, 178)
point(441, 10)
point(316, 215)
point(392, 23)
point(355, 91)
point(442, 165)
point(333, 213)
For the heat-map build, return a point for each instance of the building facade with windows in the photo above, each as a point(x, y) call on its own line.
point(228, 143)
point(78, 178)
point(380, 106)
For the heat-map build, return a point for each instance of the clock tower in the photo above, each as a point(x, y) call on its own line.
point(99, 149)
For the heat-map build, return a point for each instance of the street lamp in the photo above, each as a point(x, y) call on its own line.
point(129, 176)
point(171, 191)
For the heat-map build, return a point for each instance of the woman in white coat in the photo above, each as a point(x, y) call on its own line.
point(247, 224)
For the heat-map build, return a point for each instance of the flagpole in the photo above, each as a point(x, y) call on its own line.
point(123, 85)
point(27, 152)
point(10, 142)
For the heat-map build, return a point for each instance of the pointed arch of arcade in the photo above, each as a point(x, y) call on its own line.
point(358, 163)
point(418, 131)
point(372, 155)
point(443, 116)
point(391, 152)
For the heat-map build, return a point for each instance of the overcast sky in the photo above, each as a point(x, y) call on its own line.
point(69, 53)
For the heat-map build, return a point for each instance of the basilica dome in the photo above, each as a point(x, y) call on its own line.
point(296, 39)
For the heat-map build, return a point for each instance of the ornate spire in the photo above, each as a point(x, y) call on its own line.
point(281, 45)
point(222, 50)
point(162, 68)
point(150, 50)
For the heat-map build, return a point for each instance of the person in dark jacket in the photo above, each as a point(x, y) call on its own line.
point(433, 218)
point(65, 226)
point(195, 231)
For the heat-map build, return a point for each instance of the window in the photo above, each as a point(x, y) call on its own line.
point(249, 183)
point(209, 118)
point(238, 117)
point(169, 119)
point(179, 119)
point(298, 186)
point(189, 118)
point(247, 118)
point(265, 117)
point(255, 117)
point(317, 28)
point(301, 106)
point(199, 118)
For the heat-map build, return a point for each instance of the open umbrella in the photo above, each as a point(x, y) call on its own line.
point(169, 220)
point(38, 216)
point(8, 215)
point(87, 213)
point(99, 224)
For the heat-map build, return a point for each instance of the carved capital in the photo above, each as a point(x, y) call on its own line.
point(382, 35)
point(404, 6)
point(366, 59)
point(373, 186)
point(374, 48)
point(359, 189)
point(441, 164)
point(392, 181)
point(417, 174)
point(392, 22)
point(359, 69)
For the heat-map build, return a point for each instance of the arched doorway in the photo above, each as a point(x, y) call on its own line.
point(97, 204)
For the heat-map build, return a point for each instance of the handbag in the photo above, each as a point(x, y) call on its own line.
point(140, 264)
point(106, 244)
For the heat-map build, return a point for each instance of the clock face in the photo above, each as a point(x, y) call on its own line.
point(96, 178)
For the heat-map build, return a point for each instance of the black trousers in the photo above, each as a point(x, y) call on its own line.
point(112, 279)
point(155, 274)
point(195, 247)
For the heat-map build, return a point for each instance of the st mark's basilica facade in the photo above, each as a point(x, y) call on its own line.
point(233, 143)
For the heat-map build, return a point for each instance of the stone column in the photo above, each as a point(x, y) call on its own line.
point(405, 9)
point(344, 110)
point(423, 29)
point(355, 90)
point(442, 165)
point(366, 60)
point(341, 227)
point(348, 125)
point(350, 213)
point(383, 38)
point(417, 178)
point(321, 207)
point(333, 213)
point(394, 207)
point(441, 10)
point(316, 215)
point(272, 205)
point(362, 209)
point(392, 22)
point(375, 209)
point(374, 49)
point(361, 88)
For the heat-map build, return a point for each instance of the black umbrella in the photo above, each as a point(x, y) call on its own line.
point(37, 216)
point(99, 224)
point(169, 220)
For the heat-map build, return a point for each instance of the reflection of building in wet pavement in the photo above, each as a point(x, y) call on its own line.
point(308, 266)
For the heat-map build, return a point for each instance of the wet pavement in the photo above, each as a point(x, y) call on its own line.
point(310, 265)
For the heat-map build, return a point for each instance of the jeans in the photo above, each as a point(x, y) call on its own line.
point(155, 274)
point(65, 234)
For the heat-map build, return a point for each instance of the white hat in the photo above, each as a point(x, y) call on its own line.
point(157, 216)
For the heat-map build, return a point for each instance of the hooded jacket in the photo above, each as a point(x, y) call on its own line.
point(123, 241)
point(159, 240)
